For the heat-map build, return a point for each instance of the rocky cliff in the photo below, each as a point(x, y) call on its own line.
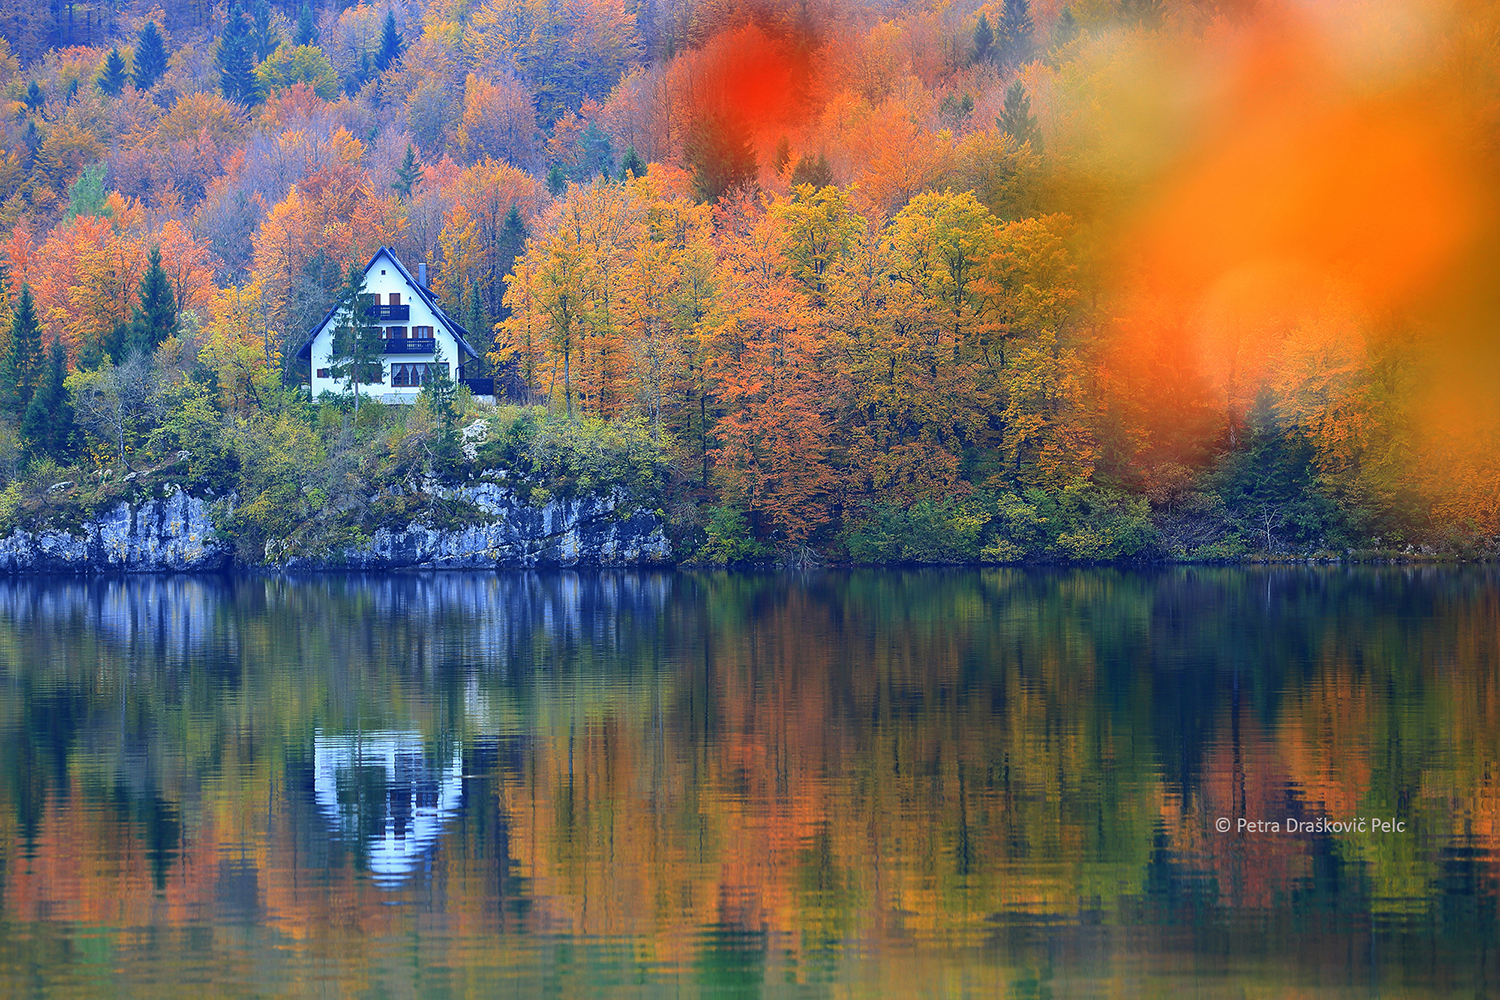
point(176, 535)
point(167, 535)
point(592, 531)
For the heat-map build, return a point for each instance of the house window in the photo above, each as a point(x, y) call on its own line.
point(408, 376)
point(322, 373)
point(395, 298)
point(394, 333)
point(421, 333)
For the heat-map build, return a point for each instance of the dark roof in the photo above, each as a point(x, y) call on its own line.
point(304, 353)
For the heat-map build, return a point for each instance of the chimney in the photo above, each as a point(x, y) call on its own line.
point(422, 274)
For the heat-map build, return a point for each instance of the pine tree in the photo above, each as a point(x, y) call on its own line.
point(631, 165)
point(21, 368)
point(358, 353)
point(409, 174)
point(155, 317)
point(1014, 34)
point(812, 171)
point(557, 181)
point(150, 57)
point(721, 156)
point(307, 28)
point(1065, 30)
point(47, 426)
point(34, 97)
point(236, 65)
point(391, 44)
point(264, 37)
point(113, 79)
point(984, 37)
point(783, 157)
point(1016, 119)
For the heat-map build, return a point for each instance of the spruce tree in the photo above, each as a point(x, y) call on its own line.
point(150, 57)
point(236, 62)
point(391, 44)
point(1016, 119)
point(358, 352)
point(155, 317)
point(984, 37)
point(113, 79)
point(20, 371)
point(1065, 30)
point(47, 426)
point(409, 174)
point(34, 96)
point(264, 38)
point(1014, 34)
point(631, 165)
point(307, 28)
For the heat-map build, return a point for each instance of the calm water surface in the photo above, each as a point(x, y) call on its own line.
point(937, 784)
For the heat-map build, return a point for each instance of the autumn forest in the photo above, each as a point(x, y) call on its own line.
point(876, 281)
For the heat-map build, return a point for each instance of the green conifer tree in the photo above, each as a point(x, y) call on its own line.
point(47, 427)
point(1016, 118)
point(20, 370)
point(307, 28)
point(236, 59)
point(155, 317)
point(557, 181)
point(631, 165)
point(358, 352)
point(409, 174)
point(984, 38)
point(264, 37)
point(114, 77)
point(391, 44)
point(1014, 34)
point(150, 56)
point(34, 96)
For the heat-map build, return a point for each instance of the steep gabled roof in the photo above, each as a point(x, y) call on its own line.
point(460, 335)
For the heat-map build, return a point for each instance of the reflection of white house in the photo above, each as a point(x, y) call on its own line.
point(402, 825)
point(412, 327)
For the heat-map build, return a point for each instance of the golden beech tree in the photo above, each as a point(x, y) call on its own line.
point(774, 439)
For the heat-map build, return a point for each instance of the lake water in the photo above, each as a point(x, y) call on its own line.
point(930, 784)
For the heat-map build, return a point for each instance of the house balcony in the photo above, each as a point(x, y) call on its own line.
point(408, 345)
point(388, 312)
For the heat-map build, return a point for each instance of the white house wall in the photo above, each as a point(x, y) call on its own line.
point(382, 279)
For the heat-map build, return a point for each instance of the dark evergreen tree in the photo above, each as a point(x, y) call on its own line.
point(631, 165)
point(150, 57)
point(476, 317)
point(114, 77)
point(392, 45)
point(783, 156)
point(264, 37)
point(440, 395)
point(721, 156)
point(1014, 37)
point(155, 317)
point(596, 155)
point(34, 97)
point(358, 352)
point(307, 28)
point(236, 60)
point(557, 181)
point(1016, 119)
point(812, 170)
point(47, 425)
point(984, 38)
point(1065, 30)
point(1271, 486)
point(409, 174)
point(20, 369)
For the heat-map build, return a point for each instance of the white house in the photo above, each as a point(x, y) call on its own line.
point(413, 327)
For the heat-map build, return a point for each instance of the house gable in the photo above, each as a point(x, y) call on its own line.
point(417, 293)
